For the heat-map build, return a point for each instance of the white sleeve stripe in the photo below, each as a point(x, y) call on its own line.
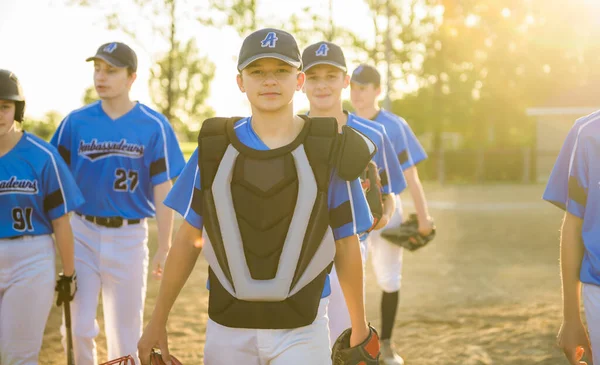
point(187, 211)
point(62, 128)
point(597, 118)
point(55, 170)
point(351, 200)
point(385, 164)
point(164, 135)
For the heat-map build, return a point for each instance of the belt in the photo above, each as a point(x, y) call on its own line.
point(109, 222)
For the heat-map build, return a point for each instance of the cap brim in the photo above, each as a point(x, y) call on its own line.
point(277, 56)
point(334, 64)
point(111, 61)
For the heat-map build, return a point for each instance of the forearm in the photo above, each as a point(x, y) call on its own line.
point(571, 255)
point(178, 267)
point(164, 216)
point(63, 235)
point(416, 191)
point(348, 265)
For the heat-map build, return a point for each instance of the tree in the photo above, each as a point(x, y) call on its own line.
point(89, 95)
point(45, 127)
point(168, 90)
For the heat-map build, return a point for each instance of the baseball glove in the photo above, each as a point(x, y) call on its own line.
point(367, 353)
point(371, 184)
point(407, 234)
point(125, 360)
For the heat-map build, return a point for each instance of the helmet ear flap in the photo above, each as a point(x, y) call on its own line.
point(19, 111)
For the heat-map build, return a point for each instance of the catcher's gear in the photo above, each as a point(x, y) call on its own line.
point(10, 89)
point(124, 360)
point(371, 184)
point(66, 287)
point(367, 353)
point(156, 358)
point(407, 234)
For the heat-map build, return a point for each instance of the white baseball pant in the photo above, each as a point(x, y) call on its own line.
point(298, 346)
point(337, 311)
point(386, 258)
point(27, 277)
point(591, 305)
point(114, 261)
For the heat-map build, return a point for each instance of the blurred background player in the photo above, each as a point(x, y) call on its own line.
point(365, 88)
point(573, 187)
point(37, 192)
point(326, 77)
point(257, 323)
point(123, 156)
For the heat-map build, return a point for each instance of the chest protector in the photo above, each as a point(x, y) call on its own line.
point(267, 234)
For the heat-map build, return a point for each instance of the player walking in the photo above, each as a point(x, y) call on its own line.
point(574, 187)
point(284, 215)
point(123, 156)
point(365, 88)
point(326, 77)
point(37, 192)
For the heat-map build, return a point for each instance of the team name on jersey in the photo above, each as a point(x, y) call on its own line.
point(95, 150)
point(14, 186)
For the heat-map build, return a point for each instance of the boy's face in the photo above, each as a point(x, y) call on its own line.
point(270, 83)
point(324, 85)
point(363, 95)
point(7, 116)
point(111, 82)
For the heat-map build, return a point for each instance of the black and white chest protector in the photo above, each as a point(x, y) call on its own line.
point(267, 232)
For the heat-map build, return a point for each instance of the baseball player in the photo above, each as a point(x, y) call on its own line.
point(289, 205)
point(123, 156)
point(326, 77)
point(573, 186)
point(37, 192)
point(365, 87)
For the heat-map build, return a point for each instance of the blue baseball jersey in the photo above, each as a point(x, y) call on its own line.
point(557, 187)
point(116, 163)
point(583, 194)
point(36, 187)
point(415, 149)
point(341, 193)
point(397, 136)
point(392, 178)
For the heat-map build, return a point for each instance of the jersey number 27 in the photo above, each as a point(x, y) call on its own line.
point(125, 180)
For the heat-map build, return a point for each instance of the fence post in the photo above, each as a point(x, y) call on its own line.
point(526, 165)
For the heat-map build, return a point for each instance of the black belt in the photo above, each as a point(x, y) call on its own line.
point(109, 222)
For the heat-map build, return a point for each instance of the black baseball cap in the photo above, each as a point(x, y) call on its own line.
point(117, 54)
point(324, 53)
point(366, 74)
point(269, 43)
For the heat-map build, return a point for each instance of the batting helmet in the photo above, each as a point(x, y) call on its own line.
point(10, 89)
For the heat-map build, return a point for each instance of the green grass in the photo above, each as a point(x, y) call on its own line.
point(188, 148)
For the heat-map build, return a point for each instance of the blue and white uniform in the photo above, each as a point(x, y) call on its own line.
point(387, 257)
point(223, 342)
point(574, 186)
point(116, 163)
point(36, 188)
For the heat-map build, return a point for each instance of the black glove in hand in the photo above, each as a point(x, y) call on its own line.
point(66, 286)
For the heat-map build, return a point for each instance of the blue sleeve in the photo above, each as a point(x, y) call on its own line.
point(557, 187)
point(61, 193)
point(401, 148)
point(167, 158)
point(185, 197)
point(349, 212)
point(61, 140)
point(392, 180)
point(578, 183)
point(415, 149)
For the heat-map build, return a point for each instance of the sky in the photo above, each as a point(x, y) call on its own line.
point(45, 43)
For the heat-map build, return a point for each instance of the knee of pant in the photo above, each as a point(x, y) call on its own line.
point(20, 352)
point(81, 331)
point(390, 283)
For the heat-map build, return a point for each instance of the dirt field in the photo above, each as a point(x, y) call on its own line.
point(486, 291)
